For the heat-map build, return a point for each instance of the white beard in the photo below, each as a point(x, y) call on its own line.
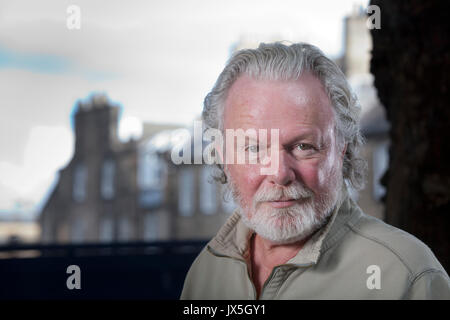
point(295, 223)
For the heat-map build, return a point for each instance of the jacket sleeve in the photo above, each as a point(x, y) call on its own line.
point(430, 285)
point(194, 278)
point(185, 293)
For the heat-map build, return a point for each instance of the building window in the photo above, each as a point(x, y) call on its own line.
point(124, 229)
point(79, 183)
point(186, 192)
point(151, 171)
point(151, 226)
point(151, 179)
point(106, 233)
point(78, 230)
point(380, 165)
point(107, 183)
point(208, 193)
point(151, 199)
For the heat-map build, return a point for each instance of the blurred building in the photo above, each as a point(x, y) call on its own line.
point(15, 228)
point(374, 126)
point(115, 191)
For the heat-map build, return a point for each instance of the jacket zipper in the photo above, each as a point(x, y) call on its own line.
point(249, 277)
point(274, 270)
point(267, 281)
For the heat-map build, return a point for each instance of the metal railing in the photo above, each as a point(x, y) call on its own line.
point(125, 270)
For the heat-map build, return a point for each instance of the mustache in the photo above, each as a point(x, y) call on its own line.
point(295, 191)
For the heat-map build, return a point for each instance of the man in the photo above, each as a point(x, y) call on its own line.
point(296, 233)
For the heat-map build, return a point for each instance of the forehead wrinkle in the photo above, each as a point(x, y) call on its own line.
point(251, 105)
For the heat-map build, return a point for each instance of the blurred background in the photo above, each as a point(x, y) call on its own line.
point(89, 117)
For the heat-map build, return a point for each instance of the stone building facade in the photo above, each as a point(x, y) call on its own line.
point(114, 191)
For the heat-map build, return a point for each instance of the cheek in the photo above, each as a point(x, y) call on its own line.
point(316, 175)
point(247, 179)
point(310, 175)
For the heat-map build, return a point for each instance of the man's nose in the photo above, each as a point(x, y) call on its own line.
point(284, 173)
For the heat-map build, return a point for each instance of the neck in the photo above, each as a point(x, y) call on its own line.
point(272, 254)
point(265, 255)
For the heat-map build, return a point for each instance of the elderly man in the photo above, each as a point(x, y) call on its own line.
point(296, 233)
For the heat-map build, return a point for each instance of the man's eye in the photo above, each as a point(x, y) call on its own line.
point(304, 146)
point(253, 149)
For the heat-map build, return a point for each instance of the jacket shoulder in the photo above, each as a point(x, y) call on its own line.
point(400, 246)
point(194, 273)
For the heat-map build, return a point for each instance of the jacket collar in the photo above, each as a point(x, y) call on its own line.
point(232, 240)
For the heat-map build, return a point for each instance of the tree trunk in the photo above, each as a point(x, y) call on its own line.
point(410, 62)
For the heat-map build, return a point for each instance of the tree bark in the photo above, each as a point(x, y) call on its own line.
point(410, 62)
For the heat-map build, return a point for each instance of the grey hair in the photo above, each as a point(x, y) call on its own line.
point(276, 61)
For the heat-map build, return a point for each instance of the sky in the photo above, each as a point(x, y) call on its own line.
point(157, 59)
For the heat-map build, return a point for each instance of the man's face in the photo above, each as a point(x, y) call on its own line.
point(296, 199)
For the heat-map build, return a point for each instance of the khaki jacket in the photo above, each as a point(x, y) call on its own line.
point(354, 256)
